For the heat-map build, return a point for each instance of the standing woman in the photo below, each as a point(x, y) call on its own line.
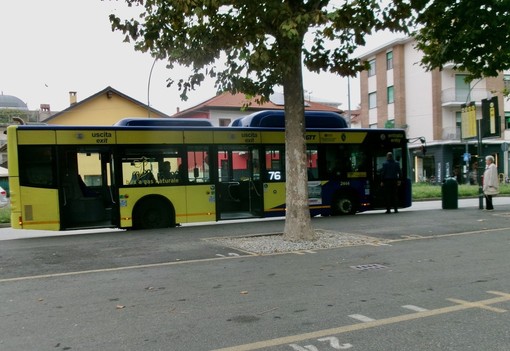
point(490, 182)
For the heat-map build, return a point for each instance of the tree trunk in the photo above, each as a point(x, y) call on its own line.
point(297, 219)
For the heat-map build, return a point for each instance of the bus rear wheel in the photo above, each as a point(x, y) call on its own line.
point(153, 214)
point(343, 205)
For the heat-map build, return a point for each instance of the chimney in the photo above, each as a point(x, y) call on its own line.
point(178, 110)
point(44, 112)
point(72, 98)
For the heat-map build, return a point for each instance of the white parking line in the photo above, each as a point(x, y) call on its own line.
point(361, 318)
point(415, 308)
point(460, 305)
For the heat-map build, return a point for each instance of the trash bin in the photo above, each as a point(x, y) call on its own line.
point(450, 194)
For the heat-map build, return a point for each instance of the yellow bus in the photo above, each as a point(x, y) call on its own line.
point(157, 176)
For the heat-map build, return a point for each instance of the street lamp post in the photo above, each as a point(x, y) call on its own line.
point(480, 150)
point(481, 162)
point(349, 101)
point(149, 88)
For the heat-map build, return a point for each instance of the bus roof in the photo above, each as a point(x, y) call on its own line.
point(162, 122)
point(275, 119)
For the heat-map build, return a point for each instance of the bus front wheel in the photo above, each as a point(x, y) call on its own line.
point(153, 214)
point(343, 205)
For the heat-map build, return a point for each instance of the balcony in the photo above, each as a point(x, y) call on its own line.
point(452, 133)
point(455, 97)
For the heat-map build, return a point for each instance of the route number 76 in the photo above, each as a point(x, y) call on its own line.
point(275, 175)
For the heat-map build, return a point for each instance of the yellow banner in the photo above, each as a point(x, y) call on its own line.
point(468, 117)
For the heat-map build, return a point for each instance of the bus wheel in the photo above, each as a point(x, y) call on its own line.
point(152, 214)
point(343, 205)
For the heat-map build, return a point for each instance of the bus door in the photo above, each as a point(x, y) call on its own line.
point(379, 196)
point(87, 195)
point(239, 187)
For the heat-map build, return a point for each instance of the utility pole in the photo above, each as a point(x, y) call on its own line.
point(481, 162)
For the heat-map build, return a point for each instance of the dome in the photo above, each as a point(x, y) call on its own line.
point(9, 101)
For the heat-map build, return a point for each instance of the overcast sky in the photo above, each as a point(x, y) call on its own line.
point(52, 47)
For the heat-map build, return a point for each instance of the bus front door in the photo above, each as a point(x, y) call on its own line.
point(238, 188)
point(86, 197)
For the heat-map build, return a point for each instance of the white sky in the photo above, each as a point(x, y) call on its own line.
point(51, 47)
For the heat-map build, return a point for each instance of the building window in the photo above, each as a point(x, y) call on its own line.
point(224, 122)
point(372, 100)
point(389, 123)
point(389, 60)
point(458, 124)
point(506, 82)
point(462, 89)
point(391, 97)
point(371, 70)
point(507, 119)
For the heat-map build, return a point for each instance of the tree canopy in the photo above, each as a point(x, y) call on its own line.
point(246, 46)
point(7, 115)
point(473, 35)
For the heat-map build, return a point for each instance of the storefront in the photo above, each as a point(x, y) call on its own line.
point(455, 159)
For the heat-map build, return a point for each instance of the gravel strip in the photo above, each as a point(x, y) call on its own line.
point(274, 243)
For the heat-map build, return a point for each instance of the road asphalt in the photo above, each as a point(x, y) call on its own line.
point(500, 203)
point(437, 279)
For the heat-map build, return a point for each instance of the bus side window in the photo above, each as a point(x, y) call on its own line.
point(164, 173)
point(359, 160)
point(182, 173)
point(275, 164)
point(311, 162)
point(142, 178)
point(338, 161)
point(198, 165)
point(36, 163)
point(139, 170)
point(171, 170)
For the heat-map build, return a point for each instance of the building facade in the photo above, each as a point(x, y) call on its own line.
point(106, 107)
point(224, 108)
point(397, 92)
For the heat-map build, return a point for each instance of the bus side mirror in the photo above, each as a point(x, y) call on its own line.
point(196, 173)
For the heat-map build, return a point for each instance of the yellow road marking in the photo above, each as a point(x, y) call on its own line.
point(419, 237)
point(477, 304)
point(503, 297)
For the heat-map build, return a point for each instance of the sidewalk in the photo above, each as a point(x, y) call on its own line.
point(500, 203)
point(462, 203)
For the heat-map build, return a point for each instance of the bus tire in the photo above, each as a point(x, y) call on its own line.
point(343, 205)
point(153, 213)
